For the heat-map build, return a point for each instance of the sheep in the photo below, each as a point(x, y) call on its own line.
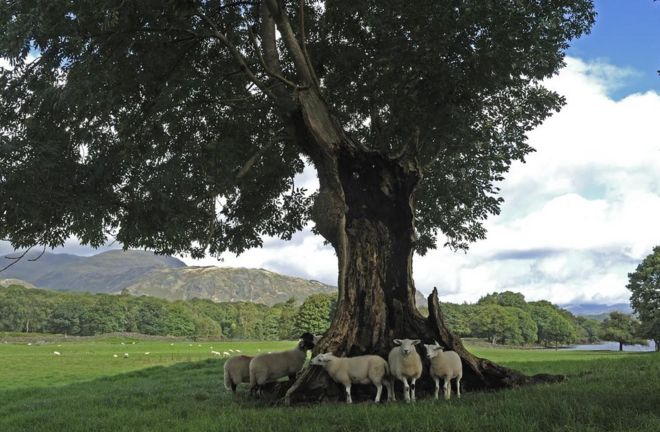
point(225, 353)
point(215, 353)
point(57, 353)
point(237, 370)
point(405, 364)
point(115, 355)
point(365, 369)
point(147, 353)
point(125, 355)
point(273, 366)
point(446, 365)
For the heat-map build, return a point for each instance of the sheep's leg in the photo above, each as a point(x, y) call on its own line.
point(233, 388)
point(447, 388)
point(406, 389)
point(348, 394)
point(389, 385)
point(412, 388)
point(437, 386)
point(379, 390)
point(458, 386)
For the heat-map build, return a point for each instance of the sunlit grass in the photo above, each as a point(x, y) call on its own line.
point(179, 387)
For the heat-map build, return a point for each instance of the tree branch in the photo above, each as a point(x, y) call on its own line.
point(240, 59)
point(270, 72)
point(16, 259)
point(301, 17)
point(282, 21)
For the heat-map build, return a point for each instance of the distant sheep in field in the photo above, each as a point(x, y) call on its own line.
point(57, 353)
point(446, 365)
point(238, 351)
point(216, 353)
point(147, 353)
point(366, 369)
point(125, 355)
point(236, 371)
point(115, 355)
point(273, 366)
point(405, 364)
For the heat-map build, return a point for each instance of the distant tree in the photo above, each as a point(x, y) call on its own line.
point(315, 314)
point(286, 323)
point(457, 318)
point(553, 326)
point(506, 298)
point(68, 318)
point(205, 327)
point(644, 284)
point(621, 328)
point(496, 323)
point(527, 326)
point(588, 329)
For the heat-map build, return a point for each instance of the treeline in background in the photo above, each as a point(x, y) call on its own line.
point(500, 318)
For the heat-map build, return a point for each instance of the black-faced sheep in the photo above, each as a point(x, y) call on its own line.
point(273, 366)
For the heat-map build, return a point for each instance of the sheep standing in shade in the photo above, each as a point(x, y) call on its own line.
point(446, 365)
point(405, 364)
point(237, 370)
point(366, 369)
point(273, 366)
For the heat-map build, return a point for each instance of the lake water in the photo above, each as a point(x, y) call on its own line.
point(612, 346)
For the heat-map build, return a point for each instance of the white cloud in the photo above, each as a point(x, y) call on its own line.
point(582, 211)
point(578, 216)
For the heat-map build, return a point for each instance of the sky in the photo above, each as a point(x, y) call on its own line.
point(578, 216)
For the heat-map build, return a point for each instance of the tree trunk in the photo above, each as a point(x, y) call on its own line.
point(365, 209)
point(620, 346)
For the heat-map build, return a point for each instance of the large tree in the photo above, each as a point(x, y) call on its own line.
point(623, 329)
point(180, 125)
point(644, 284)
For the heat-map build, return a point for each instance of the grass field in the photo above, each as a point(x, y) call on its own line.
point(178, 387)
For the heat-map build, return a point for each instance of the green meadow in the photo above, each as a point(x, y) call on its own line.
point(178, 387)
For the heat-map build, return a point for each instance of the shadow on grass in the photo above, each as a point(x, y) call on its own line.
point(191, 396)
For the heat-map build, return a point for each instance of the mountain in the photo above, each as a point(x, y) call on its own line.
point(107, 272)
point(226, 284)
point(583, 309)
point(144, 273)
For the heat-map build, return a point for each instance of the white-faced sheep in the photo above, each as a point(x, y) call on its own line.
point(273, 366)
point(446, 365)
point(237, 370)
point(366, 369)
point(405, 364)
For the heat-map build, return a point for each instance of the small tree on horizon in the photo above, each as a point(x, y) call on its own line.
point(622, 328)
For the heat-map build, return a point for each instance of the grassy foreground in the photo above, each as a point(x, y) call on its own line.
point(178, 387)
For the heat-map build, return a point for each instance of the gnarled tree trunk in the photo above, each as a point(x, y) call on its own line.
point(365, 209)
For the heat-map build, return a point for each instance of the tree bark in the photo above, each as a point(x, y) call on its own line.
point(365, 209)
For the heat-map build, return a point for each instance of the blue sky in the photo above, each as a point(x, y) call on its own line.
point(578, 215)
point(626, 34)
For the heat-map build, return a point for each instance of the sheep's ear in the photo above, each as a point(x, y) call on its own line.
point(416, 341)
point(397, 341)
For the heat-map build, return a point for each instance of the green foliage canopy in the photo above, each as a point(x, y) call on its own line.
point(159, 122)
point(644, 284)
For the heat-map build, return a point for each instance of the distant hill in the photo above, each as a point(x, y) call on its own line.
point(595, 309)
point(4, 283)
point(226, 284)
point(107, 272)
